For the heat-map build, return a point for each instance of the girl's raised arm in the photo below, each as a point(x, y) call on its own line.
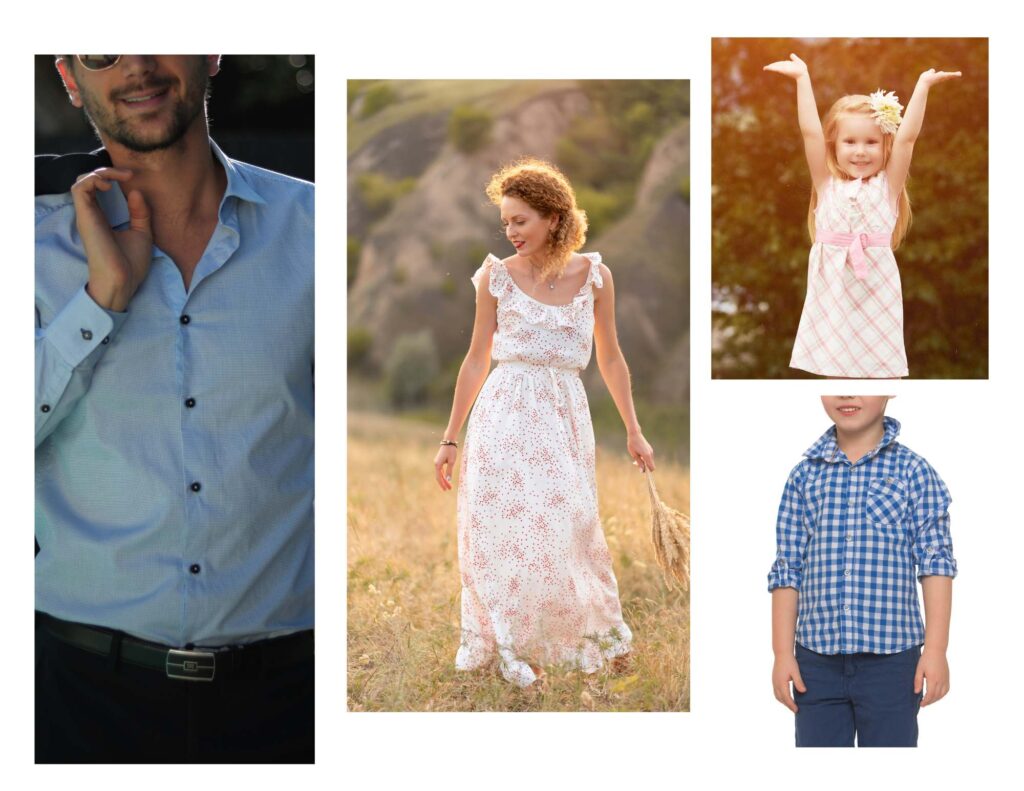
point(910, 127)
point(807, 115)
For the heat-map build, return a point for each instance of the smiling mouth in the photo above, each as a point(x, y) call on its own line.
point(145, 99)
point(849, 410)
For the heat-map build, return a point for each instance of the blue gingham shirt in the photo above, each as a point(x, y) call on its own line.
point(849, 539)
point(174, 442)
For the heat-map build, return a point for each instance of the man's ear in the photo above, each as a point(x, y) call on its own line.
point(64, 66)
point(213, 64)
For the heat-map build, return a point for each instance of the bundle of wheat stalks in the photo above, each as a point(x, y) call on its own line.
point(670, 534)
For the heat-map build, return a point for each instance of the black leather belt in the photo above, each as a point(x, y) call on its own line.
point(251, 660)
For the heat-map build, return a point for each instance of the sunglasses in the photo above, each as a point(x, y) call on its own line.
point(98, 62)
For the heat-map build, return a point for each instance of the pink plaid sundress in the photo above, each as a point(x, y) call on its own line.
point(852, 321)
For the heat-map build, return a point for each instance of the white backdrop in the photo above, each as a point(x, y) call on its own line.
point(745, 435)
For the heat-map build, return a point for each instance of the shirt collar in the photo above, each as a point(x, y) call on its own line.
point(827, 449)
point(115, 206)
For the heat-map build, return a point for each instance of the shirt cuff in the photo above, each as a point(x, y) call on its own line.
point(936, 564)
point(82, 327)
point(783, 575)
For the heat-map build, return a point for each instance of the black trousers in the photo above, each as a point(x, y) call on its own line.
point(95, 709)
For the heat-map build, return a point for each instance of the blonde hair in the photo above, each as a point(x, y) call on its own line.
point(546, 190)
point(857, 104)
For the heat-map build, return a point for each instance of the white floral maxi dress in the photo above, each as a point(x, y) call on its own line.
point(537, 581)
point(852, 321)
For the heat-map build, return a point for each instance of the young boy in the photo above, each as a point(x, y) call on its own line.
point(857, 515)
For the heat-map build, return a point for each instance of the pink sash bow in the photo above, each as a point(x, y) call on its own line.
point(854, 244)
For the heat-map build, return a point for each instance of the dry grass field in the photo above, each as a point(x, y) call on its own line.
point(403, 588)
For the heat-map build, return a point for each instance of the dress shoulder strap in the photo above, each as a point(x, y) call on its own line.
point(499, 280)
point(594, 275)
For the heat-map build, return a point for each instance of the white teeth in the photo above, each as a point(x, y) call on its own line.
point(141, 98)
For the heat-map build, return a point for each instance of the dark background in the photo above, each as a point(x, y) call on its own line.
point(261, 112)
point(761, 189)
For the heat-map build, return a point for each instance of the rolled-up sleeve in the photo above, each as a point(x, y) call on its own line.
point(791, 535)
point(929, 514)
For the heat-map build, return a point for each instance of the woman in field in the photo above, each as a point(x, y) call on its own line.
point(537, 581)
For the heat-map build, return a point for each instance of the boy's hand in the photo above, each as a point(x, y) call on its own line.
point(786, 669)
point(932, 666)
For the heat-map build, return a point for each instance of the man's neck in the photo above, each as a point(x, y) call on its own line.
point(182, 184)
point(856, 444)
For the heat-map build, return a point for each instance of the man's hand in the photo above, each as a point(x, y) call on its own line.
point(932, 666)
point(118, 260)
point(785, 670)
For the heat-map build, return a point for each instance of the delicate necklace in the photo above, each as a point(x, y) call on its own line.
point(533, 274)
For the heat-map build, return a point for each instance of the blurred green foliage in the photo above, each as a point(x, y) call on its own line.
point(410, 368)
point(378, 192)
point(604, 153)
point(376, 98)
point(469, 128)
point(760, 192)
point(355, 250)
point(359, 342)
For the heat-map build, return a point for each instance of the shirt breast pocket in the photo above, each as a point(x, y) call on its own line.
point(886, 507)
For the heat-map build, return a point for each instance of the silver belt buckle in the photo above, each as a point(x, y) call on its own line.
point(191, 665)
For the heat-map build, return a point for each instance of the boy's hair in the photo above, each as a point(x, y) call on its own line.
point(857, 104)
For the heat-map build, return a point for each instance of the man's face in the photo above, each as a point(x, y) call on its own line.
point(144, 102)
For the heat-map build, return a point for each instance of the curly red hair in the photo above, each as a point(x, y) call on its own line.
point(544, 188)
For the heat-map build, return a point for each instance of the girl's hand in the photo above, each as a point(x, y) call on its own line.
point(444, 463)
point(641, 451)
point(793, 68)
point(932, 77)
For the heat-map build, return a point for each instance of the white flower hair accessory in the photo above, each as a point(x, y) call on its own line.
point(887, 110)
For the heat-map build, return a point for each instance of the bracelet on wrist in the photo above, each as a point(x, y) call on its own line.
point(451, 442)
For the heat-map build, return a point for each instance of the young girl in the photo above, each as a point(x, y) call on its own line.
point(852, 322)
point(537, 581)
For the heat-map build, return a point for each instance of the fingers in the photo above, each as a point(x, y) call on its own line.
point(100, 179)
point(138, 213)
point(443, 465)
point(785, 697)
point(798, 682)
point(933, 691)
point(919, 679)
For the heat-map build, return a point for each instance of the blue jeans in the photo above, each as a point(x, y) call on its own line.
point(870, 695)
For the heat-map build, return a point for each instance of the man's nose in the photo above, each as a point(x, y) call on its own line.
point(137, 65)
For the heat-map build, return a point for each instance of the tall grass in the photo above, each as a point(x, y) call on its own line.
point(403, 589)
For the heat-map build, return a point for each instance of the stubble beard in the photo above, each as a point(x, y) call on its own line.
point(106, 122)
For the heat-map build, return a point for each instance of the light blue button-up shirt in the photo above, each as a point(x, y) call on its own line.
point(174, 442)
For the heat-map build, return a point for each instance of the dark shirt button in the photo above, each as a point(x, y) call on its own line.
point(105, 340)
point(190, 402)
point(87, 334)
point(185, 319)
point(196, 486)
point(194, 568)
point(45, 408)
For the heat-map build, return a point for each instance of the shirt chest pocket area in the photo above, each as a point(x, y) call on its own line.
point(886, 508)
